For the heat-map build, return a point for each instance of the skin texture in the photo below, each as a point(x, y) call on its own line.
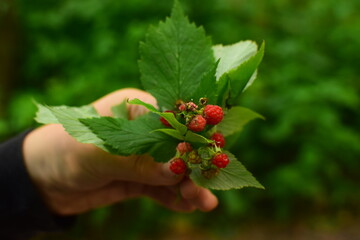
point(73, 177)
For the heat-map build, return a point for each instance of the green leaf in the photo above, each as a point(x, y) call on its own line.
point(120, 110)
point(171, 132)
point(174, 122)
point(128, 137)
point(235, 119)
point(206, 88)
point(44, 115)
point(234, 176)
point(69, 118)
point(148, 106)
point(223, 90)
point(232, 56)
point(174, 58)
point(181, 128)
point(196, 138)
point(164, 151)
point(48, 114)
point(238, 64)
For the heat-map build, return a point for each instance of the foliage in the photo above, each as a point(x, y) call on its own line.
point(307, 151)
point(174, 64)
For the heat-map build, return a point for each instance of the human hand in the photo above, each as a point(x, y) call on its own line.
point(74, 177)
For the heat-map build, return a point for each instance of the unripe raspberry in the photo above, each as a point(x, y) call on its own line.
point(183, 148)
point(219, 139)
point(210, 173)
point(164, 121)
point(213, 114)
point(220, 160)
point(193, 157)
point(197, 124)
point(178, 166)
point(191, 106)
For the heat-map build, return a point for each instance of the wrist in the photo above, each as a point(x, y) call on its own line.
point(37, 156)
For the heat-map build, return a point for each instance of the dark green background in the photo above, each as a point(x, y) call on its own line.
point(306, 153)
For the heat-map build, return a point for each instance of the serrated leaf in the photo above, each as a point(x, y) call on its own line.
point(164, 151)
point(234, 176)
point(223, 91)
point(181, 128)
point(174, 122)
point(174, 57)
point(241, 76)
point(69, 118)
point(171, 132)
point(196, 138)
point(207, 87)
point(244, 74)
point(232, 56)
point(120, 110)
point(44, 115)
point(47, 114)
point(235, 119)
point(127, 137)
point(148, 106)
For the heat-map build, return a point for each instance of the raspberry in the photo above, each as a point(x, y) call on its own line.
point(219, 139)
point(177, 166)
point(210, 173)
point(183, 148)
point(163, 120)
point(191, 106)
point(221, 160)
point(213, 114)
point(182, 107)
point(194, 157)
point(197, 124)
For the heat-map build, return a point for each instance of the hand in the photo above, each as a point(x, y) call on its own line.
point(74, 177)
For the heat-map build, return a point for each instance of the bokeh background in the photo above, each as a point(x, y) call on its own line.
point(306, 153)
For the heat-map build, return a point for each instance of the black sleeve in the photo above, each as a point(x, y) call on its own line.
point(22, 211)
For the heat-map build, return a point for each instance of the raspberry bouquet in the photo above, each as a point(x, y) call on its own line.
point(197, 87)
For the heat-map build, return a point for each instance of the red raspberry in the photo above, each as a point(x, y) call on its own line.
point(177, 166)
point(221, 160)
point(197, 124)
point(163, 120)
point(183, 148)
point(213, 114)
point(219, 139)
point(182, 107)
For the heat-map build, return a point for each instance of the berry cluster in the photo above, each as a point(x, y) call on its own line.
point(197, 118)
point(201, 119)
point(206, 158)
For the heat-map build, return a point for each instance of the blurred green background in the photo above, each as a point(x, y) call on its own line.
point(306, 153)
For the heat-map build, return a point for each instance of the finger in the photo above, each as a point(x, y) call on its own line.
point(207, 201)
point(141, 169)
point(119, 191)
point(104, 104)
point(169, 199)
point(202, 198)
point(188, 189)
